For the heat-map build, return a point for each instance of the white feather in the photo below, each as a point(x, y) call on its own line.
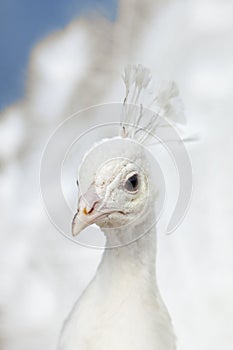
point(162, 103)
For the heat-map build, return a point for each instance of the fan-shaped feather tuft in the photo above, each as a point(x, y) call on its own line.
point(142, 109)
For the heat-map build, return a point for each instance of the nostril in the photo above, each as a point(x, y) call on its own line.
point(88, 201)
point(88, 210)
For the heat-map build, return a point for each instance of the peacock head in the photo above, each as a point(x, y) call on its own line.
point(115, 185)
point(116, 176)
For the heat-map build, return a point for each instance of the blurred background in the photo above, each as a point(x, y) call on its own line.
point(60, 56)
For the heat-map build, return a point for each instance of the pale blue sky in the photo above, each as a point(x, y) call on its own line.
point(23, 23)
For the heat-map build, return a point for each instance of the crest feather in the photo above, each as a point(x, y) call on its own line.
point(142, 109)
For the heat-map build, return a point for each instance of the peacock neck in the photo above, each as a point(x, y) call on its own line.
point(136, 260)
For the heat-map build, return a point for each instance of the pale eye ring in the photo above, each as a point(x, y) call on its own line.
point(132, 183)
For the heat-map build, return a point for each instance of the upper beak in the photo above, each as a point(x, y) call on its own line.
point(87, 212)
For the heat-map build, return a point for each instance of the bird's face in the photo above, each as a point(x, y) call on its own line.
point(117, 196)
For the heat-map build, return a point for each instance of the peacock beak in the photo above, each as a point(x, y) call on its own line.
point(87, 212)
point(90, 208)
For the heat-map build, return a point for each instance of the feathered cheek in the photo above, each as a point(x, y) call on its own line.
point(113, 220)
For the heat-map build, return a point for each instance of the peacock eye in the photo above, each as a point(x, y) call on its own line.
point(131, 185)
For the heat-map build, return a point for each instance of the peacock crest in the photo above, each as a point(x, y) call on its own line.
point(145, 109)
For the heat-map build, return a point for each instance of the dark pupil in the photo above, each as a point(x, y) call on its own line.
point(132, 183)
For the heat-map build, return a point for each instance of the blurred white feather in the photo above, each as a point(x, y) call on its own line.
point(162, 101)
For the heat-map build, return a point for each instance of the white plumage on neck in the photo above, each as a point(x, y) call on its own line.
point(122, 308)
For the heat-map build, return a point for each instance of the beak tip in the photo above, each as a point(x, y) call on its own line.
point(73, 226)
point(73, 232)
point(77, 225)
